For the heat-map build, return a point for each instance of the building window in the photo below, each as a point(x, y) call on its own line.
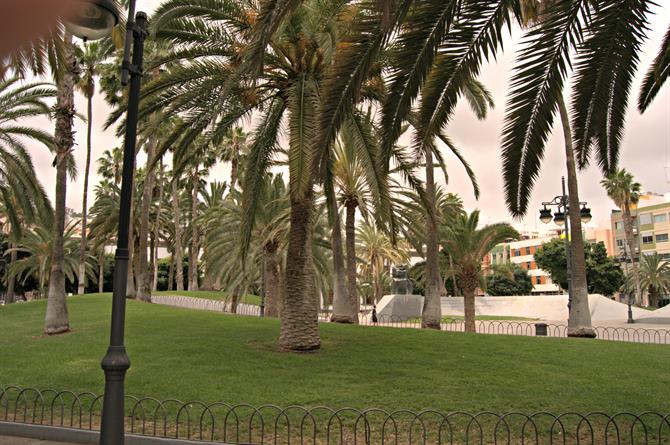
point(660, 218)
point(620, 243)
point(647, 239)
point(527, 250)
point(528, 266)
point(662, 238)
point(618, 225)
point(645, 219)
point(517, 252)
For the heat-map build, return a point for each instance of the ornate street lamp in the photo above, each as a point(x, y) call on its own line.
point(562, 218)
point(94, 20)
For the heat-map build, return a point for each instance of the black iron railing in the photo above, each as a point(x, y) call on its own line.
point(271, 424)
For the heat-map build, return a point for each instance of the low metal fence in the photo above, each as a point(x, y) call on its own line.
point(271, 424)
point(525, 328)
point(500, 327)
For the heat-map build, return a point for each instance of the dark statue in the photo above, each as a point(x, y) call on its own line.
point(401, 284)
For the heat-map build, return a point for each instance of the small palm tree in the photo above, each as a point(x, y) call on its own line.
point(467, 244)
point(654, 277)
point(376, 251)
point(37, 243)
point(625, 192)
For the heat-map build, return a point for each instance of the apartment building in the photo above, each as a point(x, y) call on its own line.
point(651, 226)
point(522, 253)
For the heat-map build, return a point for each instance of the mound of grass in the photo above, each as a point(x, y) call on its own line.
point(185, 354)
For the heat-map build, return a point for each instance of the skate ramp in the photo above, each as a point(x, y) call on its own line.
point(541, 307)
point(400, 307)
point(659, 316)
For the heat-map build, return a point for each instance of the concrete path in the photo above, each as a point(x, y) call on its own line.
point(11, 440)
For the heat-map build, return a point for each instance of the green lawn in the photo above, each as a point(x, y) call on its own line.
point(212, 356)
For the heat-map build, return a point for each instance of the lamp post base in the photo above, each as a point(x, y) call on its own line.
point(115, 364)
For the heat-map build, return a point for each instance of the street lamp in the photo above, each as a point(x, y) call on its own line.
point(94, 20)
point(562, 218)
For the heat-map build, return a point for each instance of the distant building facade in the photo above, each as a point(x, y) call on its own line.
point(522, 254)
point(651, 227)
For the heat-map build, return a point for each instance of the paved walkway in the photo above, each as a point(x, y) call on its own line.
point(11, 440)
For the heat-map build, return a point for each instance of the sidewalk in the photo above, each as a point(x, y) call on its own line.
point(10, 440)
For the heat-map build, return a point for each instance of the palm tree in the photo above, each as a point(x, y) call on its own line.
point(234, 145)
point(654, 277)
point(37, 243)
point(109, 165)
point(22, 199)
point(376, 251)
point(90, 58)
point(209, 87)
point(467, 245)
point(625, 192)
point(657, 75)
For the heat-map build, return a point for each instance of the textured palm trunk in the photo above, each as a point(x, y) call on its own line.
point(630, 241)
point(432, 310)
point(350, 236)
point(453, 276)
point(171, 273)
point(235, 300)
point(143, 279)
point(178, 249)
point(376, 281)
point(11, 278)
point(195, 243)
point(341, 312)
point(130, 285)
point(469, 309)
point(272, 285)
point(654, 296)
point(56, 319)
point(233, 170)
point(101, 271)
point(84, 206)
point(299, 317)
point(579, 321)
point(157, 227)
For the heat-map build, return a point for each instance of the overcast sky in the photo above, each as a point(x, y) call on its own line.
point(646, 145)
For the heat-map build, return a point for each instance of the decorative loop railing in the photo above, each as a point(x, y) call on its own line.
point(271, 424)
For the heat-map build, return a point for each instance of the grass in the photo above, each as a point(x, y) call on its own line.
point(185, 354)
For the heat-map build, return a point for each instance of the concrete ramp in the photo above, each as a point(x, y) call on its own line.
point(542, 307)
point(400, 307)
point(659, 316)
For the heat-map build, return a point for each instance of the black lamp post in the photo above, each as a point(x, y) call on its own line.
point(94, 20)
point(562, 217)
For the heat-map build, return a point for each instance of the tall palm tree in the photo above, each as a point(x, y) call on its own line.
point(216, 98)
point(90, 57)
point(625, 192)
point(654, 277)
point(22, 198)
point(233, 146)
point(468, 244)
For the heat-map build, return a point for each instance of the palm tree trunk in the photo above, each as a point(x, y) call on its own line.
point(157, 226)
point(101, 271)
point(272, 282)
point(143, 282)
point(579, 321)
point(84, 205)
point(341, 312)
point(170, 273)
point(350, 234)
point(235, 300)
point(469, 307)
point(630, 241)
point(299, 317)
point(178, 250)
point(233, 169)
point(56, 320)
point(194, 249)
point(432, 308)
point(453, 276)
point(11, 278)
point(130, 285)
